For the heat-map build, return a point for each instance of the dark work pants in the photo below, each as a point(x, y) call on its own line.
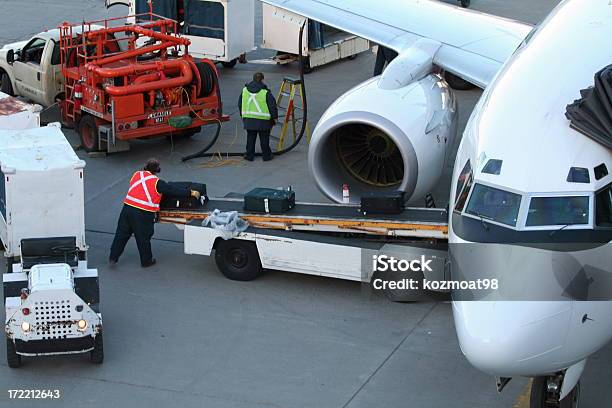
point(264, 142)
point(138, 222)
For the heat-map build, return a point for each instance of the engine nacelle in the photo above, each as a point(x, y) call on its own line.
point(377, 139)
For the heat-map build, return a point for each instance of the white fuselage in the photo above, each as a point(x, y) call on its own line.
point(537, 324)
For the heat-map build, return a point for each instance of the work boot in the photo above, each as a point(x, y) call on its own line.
point(149, 263)
point(248, 158)
point(268, 158)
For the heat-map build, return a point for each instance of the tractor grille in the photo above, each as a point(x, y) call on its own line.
point(54, 319)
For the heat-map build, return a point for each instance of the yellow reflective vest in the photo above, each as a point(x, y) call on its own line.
point(254, 105)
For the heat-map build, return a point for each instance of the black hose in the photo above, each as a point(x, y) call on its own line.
point(203, 153)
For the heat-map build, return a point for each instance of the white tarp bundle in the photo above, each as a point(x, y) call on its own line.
point(228, 223)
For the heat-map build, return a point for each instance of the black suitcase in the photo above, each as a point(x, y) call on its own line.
point(383, 203)
point(169, 202)
point(268, 200)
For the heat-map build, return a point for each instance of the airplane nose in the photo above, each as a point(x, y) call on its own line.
point(506, 339)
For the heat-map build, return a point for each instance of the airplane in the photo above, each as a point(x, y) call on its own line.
point(531, 195)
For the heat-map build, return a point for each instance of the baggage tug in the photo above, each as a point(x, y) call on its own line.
point(51, 296)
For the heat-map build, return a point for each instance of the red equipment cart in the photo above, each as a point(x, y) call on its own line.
point(118, 87)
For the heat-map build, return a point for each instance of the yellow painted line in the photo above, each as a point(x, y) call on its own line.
point(523, 399)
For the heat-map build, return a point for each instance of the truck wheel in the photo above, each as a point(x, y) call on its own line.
point(88, 132)
point(458, 83)
point(5, 84)
point(96, 355)
point(12, 358)
point(229, 64)
point(238, 260)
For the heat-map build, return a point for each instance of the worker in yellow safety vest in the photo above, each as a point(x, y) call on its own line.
point(259, 114)
point(140, 206)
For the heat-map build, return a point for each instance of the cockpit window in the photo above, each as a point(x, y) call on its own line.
point(579, 175)
point(603, 207)
point(493, 166)
point(464, 183)
point(494, 204)
point(558, 211)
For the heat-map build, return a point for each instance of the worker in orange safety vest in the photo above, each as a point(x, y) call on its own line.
point(139, 210)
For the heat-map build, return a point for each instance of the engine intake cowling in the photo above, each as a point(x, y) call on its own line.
point(377, 139)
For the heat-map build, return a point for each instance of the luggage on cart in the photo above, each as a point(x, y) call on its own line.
point(185, 203)
point(268, 200)
point(383, 203)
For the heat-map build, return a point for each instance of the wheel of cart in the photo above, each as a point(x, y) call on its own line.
point(88, 133)
point(229, 64)
point(12, 358)
point(238, 259)
point(465, 3)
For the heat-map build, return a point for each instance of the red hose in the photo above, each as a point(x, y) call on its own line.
point(184, 79)
point(147, 78)
point(142, 31)
point(128, 54)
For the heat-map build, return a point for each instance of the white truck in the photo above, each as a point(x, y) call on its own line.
point(31, 68)
point(51, 297)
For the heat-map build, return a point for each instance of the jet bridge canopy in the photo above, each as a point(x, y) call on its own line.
point(592, 114)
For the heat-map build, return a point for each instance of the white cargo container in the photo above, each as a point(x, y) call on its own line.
point(220, 30)
point(281, 31)
point(41, 192)
point(16, 114)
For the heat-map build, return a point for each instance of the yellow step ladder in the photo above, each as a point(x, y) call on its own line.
point(289, 88)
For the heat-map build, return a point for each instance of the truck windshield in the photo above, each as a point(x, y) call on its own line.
point(558, 211)
point(494, 204)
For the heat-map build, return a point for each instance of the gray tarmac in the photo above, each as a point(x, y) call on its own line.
point(180, 334)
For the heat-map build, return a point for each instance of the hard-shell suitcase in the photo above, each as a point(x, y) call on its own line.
point(383, 203)
point(268, 200)
point(185, 203)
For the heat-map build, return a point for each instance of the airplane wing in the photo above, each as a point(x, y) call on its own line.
point(474, 45)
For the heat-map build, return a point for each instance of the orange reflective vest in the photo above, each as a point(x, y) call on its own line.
point(143, 192)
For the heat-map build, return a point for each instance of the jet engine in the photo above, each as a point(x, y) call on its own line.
point(378, 138)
